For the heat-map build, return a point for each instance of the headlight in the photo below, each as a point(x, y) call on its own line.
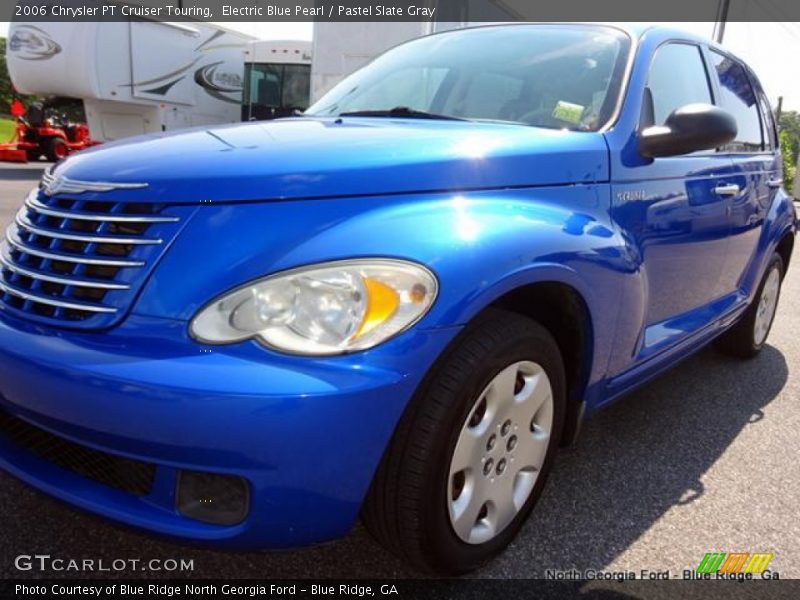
point(331, 308)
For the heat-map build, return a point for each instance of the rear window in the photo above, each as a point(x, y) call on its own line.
point(738, 98)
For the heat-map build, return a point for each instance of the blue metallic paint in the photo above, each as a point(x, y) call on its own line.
point(488, 208)
point(305, 435)
point(308, 158)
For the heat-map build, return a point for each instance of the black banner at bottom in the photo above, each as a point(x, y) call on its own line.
point(433, 589)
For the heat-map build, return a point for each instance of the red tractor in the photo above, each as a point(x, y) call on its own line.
point(46, 130)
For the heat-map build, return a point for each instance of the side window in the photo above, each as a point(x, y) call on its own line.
point(769, 131)
point(677, 77)
point(768, 123)
point(738, 98)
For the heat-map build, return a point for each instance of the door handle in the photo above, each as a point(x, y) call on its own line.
point(730, 189)
point(775, 183)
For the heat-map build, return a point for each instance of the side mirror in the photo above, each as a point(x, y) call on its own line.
point(688, 129)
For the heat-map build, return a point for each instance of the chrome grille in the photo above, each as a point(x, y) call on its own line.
point(79, 262)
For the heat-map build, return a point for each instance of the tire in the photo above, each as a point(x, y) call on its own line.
point(32, 155)
point(55, 149)
point(749, 335)
point(412, 501)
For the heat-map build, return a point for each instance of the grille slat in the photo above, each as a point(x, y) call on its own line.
point(124, 474)
point(77, 262)
point(64, 234)
point(5, 260)
point(12, 237)
point(51, 301)
point(32, 203)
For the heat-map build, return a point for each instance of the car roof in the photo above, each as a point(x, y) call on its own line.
point(634, 30)
point(638, 30)
point(664, 32)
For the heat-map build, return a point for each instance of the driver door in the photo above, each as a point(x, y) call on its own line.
point(675, 210)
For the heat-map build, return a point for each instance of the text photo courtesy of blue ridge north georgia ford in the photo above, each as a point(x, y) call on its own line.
point(355, 290)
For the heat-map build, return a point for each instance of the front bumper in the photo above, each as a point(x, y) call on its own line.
point(306, 434)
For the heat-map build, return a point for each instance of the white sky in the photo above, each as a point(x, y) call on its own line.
point(767, 47)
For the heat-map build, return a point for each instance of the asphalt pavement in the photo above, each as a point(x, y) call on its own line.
point(704, 459)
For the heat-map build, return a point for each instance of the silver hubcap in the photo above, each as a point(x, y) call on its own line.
point(767, 305)
point(500, 452)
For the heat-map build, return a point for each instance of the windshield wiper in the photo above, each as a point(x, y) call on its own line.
point(400, 111)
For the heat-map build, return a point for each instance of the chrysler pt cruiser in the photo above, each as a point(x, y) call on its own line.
point(397, 305)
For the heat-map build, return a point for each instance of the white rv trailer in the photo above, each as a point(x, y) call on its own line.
point(339, 48)
point(133, 77)
point(146, 76)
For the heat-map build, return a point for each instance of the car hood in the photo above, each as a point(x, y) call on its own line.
point(351, 156)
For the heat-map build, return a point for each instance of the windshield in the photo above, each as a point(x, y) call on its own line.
point(554, 76)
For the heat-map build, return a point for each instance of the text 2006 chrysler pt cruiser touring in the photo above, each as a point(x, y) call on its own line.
point(397, 305)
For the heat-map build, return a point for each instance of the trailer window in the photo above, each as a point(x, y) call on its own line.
point(264, 85)
point(273, 90)
point(296, 86)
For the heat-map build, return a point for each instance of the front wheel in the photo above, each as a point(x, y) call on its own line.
point(473, 450)
point(749, 335)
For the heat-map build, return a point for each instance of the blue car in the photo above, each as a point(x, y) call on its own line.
point(398, 305)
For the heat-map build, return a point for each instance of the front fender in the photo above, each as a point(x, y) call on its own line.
point(480, 245)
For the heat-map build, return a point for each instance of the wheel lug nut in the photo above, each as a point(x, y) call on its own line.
point(512, 443)
point(501, 466)
point(488, 466)
point(505, 428)
point(491, 442)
